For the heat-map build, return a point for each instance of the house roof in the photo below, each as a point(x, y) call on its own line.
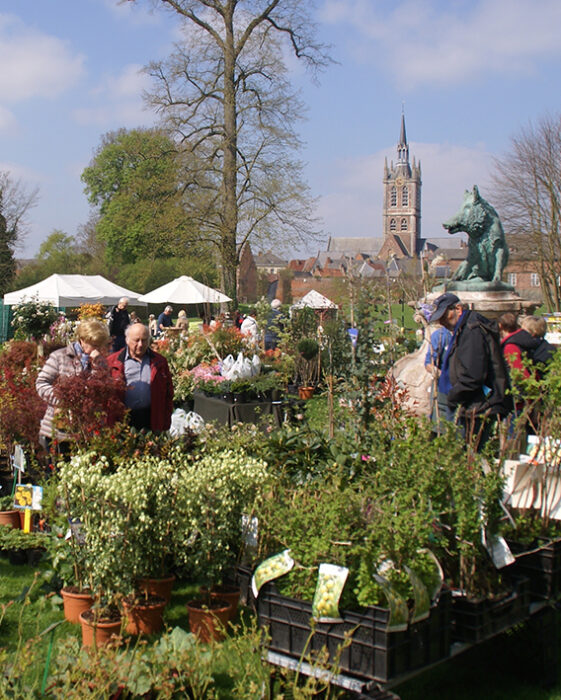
point(269, 259)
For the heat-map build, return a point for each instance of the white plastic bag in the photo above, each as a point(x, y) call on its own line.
point(255, 366)
point(182, 421)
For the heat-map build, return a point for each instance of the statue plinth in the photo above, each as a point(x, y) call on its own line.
point(490, 303)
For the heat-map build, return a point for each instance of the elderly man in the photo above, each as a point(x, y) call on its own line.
point(164, 320)
point(149, 393)
point(119, 319)
point(474, 375)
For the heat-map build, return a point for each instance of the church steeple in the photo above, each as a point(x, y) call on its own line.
point(402, 199)
point(403, 148)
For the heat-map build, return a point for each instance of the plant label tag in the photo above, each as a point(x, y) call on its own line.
point(270, 569)
point(421, 608)
point(330, 584)
point(76, 531)
point(28, 496)
point(249, 531)
point(399, 612)
point(498, 549)
point(18, 460)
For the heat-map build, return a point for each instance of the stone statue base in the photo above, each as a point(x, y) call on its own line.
point(490, 303)
point(473, 285)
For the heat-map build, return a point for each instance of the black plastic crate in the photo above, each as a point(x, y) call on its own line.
point(360, 645)
point(242, 577)
point(474, 620)
point(541, 564)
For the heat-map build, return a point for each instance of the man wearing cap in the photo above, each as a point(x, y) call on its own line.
point(474, 375)
point(164, 320)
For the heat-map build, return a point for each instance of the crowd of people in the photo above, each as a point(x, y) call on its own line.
point(472, 359)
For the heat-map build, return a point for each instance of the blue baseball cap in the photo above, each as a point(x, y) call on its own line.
point(441, 304)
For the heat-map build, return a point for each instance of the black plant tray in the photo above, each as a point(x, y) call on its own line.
point(474, 620)
point(360, 645)
point(541, 564)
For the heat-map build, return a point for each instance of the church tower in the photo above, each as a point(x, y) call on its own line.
point(402, 201)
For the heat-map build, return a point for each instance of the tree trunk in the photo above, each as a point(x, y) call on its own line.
point(229, 179)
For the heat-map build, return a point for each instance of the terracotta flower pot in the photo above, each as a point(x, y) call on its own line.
point(231, 594)
point(10, 518)
point(145, 617)
point(75, 603)
point(305, 392)
point(100, 632)
point(157, 586)
point(208, 619)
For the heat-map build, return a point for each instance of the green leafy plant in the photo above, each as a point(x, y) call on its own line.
point(32, 319)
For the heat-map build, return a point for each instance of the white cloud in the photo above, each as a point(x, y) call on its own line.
point(117, 100)
point(427, 41)
point(34, 64)
point(352, 202)
point(132, 12)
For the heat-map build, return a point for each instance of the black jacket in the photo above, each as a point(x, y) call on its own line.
point(476, 361)
point(537, 349)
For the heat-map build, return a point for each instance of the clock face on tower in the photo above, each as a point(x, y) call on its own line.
point(399, 181)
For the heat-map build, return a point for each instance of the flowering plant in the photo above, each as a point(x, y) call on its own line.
point(61, 331)
point(214, 491)
point(32, 319)
point(90, 311)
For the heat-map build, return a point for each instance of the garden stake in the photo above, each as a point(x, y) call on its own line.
point(51, 629)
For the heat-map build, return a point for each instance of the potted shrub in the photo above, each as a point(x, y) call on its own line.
point(307, 366)
point(9, 516)
point(215, 489)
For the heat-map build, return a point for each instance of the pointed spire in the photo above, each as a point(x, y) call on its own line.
point(403, 146)
point(402, 135)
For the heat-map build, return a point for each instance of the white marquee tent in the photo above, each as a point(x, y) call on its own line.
point(73, 290)
point(184, 290)
point(314, 300)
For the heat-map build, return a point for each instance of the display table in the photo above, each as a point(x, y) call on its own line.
point(213, 408)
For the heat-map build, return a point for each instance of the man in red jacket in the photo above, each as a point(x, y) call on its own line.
point(149, 393)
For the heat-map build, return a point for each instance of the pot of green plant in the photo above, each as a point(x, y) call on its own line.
point(143, 613)
point(8, 514)
point(305, 392)
point(157, 586)
point(100, 627)
point(208, 618)
point(307, 365)
point(75, 602)
point(226, 592)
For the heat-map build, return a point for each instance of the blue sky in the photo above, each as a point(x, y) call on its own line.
point(471, 74)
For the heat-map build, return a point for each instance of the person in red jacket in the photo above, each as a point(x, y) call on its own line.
point(149, 392)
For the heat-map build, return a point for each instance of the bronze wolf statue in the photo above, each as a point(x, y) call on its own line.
point(487, 249)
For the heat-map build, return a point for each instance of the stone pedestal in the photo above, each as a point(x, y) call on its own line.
point(492, 303)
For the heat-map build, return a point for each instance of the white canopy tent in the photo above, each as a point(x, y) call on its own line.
point(314, 300)
point(73, 290)
point(184, 290)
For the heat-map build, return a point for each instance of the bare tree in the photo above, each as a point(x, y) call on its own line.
point(527, 186)
point(15, 203)
point(224, 94)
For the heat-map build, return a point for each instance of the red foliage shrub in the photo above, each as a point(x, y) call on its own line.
point(89, 403)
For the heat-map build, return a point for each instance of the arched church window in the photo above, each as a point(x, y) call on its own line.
point(404, 224)
point(393, 197)
point(393, 225)
point(404, 196)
